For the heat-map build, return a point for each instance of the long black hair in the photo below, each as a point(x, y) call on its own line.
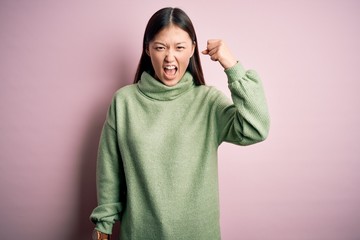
point(161, 19)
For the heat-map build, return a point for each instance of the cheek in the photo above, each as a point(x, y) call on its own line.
point(156, 62)
point(185, 60)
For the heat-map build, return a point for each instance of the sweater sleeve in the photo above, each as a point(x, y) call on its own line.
point(110, 181)
point(245, 121)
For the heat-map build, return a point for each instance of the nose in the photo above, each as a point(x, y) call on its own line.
point(170, 55)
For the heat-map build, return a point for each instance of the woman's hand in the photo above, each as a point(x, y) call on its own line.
point(218, 51)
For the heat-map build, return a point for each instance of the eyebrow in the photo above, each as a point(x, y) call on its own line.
point(161, 43)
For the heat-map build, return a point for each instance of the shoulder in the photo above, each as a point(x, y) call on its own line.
point(125, 92)
point(210, 92)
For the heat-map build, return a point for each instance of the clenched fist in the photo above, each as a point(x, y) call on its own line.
point(218, 51)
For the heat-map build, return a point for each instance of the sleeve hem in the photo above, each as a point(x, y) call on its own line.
point(104, 227)
point(235, 73)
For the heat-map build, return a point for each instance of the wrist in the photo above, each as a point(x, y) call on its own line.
point(229, 63)
point(97, 235)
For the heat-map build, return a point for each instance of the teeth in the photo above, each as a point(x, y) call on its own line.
point(170, 67)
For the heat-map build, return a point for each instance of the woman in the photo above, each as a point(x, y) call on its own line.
point(157, 163)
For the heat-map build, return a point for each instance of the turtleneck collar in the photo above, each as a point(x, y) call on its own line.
point(155, 89)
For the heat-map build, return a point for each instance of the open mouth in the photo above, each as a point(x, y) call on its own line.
point(170, 70)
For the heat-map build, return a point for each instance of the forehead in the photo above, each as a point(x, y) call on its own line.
point(172, 33)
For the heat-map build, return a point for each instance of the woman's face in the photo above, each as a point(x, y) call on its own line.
point(170, 52)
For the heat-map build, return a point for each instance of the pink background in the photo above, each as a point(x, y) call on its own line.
point(62, 61)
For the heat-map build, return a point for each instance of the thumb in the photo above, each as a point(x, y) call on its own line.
point(206, 51)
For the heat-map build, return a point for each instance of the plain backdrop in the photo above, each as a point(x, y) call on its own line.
point(61, 62)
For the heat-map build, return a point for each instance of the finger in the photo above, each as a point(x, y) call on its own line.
point(205, 52)
point(214, 58)
point(213, 51)
point(211, 43)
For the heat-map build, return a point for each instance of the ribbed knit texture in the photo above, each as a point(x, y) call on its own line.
point(157, 164)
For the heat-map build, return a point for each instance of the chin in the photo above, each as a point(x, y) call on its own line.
point(170, 83)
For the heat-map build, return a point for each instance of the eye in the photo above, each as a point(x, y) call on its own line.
point(180, 47)
point(159, 48)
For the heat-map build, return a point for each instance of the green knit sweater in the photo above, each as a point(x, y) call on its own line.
point(157, 164)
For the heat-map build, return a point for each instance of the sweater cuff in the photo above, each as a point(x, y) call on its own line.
point(104, 227)
point(235, 73)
